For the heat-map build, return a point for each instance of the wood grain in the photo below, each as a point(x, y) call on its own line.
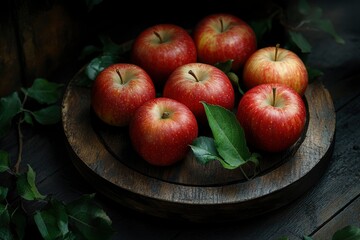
point(189, 190)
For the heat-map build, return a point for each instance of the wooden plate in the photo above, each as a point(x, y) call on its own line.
point(189, 190)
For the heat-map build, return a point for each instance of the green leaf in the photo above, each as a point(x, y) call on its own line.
point(98, 64)
point(53, 221)
point(88, 220)
point(48, 115)
point(9, 107)
point(204, 149)
point(327, 26)
point(4, 161)
point(44, 92)
point(300, 41)
point(304, 7)
point(224, 66)
point(18, 219)
point(261, 27)
point(112, 49)
point(228, 135)
point(26, 186)
point(89, 50)
point(3, 193)
point(313, 73)
point(347, 233)
point(91, 3)
point(4, 216)
point(307, 238)
point(28, 117)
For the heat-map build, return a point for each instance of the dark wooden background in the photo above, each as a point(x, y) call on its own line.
point(332, 203)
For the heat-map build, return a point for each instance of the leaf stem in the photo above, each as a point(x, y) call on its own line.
point(20, 139)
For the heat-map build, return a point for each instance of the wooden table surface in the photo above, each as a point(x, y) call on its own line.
point(332, 203)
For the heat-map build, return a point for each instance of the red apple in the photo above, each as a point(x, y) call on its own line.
point(118, 91)
point(275, 65)
point(273, 116)
point(195, 82)
point(221, 37)
point(162, 130)
point(161, 48)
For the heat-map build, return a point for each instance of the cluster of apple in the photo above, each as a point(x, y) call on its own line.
point(158, 93)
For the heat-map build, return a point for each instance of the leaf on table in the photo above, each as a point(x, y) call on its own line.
point(26, 186)
point(4, 161)
point(53, 221)
point(44, 91)
point(4, 216)
point(9, 107)
point(47, 115)
point(3, 193)
point(88, 220)
point(19, 221)
point(327, 26)
point(349, 232)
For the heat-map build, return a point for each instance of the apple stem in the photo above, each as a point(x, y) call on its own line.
point(121, 79)
point(276, 51)
point(193, 74)
point(158, 35)
point(221, 24)
point(274, 94)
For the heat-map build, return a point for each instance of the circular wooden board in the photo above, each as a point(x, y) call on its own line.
point(190, 190)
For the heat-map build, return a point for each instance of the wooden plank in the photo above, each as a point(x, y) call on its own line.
point(50, 34)
point(350, 215)
point(10, 71)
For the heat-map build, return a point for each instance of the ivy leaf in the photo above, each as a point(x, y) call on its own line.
point(112, 49)
point(327, 26)
point(313, 73)
point(19, 220)
point(44, 92)
point(304, 7)
point(204, 150)
point(48, 115)
point(5, 232)
point(53, 221)
point(91, 3)
point(261, 27)
point(224, 66)
point(4, 161)
point(88, 220)
point(229, 137)
point(9, 107)
point(26, 186)
point(3, 193)
point(347, 233)
point(98, 64)
point(300, 41)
